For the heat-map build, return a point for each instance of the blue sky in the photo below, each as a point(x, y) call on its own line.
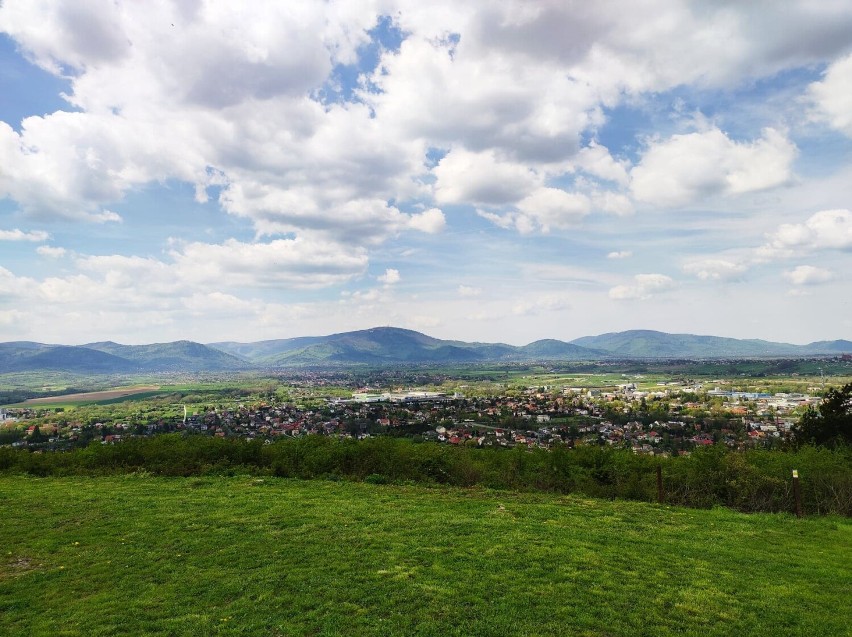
point(501, 171)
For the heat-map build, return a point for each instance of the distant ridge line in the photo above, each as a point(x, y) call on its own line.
point(390, 345)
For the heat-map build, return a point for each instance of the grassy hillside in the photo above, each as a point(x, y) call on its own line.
point(244, 556)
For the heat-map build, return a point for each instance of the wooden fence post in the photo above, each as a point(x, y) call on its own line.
point(797, 493)
point(660, 494)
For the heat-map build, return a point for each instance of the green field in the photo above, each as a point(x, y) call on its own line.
point(138, 555)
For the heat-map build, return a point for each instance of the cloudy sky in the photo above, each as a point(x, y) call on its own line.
point(495, 171)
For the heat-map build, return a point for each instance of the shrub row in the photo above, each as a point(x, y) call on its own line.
point(751, 480)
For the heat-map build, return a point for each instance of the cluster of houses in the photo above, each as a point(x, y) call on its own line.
point(669, 419)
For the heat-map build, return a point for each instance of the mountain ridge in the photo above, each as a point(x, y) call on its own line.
point(389, 345)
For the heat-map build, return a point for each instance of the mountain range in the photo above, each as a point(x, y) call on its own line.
point(387, 345)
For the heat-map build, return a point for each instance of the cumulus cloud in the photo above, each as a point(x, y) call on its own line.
point(430, 221)
point(482, 178)
point(543, 210)
point(390, 277)
point(832, 97)
point(644, 286)
point(548, 208)
point(596, 160)
point(246, 108)
point(223, 98)
point(684, 168)
point(805, 275)
point(234, 98)
point(824, 230)
point(612, 202)
point(292, 263)
point(14, 287)
point(620, 254)
point(20, 235)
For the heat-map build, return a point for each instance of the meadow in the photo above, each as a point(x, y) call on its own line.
point(142, 555)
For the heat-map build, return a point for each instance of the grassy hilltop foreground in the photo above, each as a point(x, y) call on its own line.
point(136, 555)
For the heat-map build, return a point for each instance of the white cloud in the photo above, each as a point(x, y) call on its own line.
point(430, 221)
point(421, 322)
point(234, 103)
point(504, 221)
point(808, 275)
point(544, 303)
point(716, 269)
point(482, 178)
point(53, 252)
point(824, 230)
point(548, 208)
point(20, 235)
point(832, 97)
point(390, 277)
point(644, 286)
point(219, 304)
point(468, 291)
point(106, 216)
point(612, 202)
point(291, 263)
point(596, 160)
point(220, 98)
point(620, 254)
point(685, 168)
point(12, 317)
point(223, 96)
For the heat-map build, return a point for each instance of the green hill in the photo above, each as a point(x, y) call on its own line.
point(652, 344)
point(113, 358)
point(387, 346)
point(390, 344)
point(176, 356)
point(21, 357)
point(831, 347)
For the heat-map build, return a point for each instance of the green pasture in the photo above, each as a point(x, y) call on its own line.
point(137, 555)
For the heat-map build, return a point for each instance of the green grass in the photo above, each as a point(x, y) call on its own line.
point(240, 556)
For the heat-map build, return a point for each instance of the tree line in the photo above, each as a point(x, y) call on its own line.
point(746, 480)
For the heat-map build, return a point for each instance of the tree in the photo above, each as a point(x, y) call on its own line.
point(831, 425)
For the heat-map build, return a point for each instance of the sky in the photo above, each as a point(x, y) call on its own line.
point(499, 171)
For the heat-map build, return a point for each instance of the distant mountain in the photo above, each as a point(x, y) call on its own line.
point(16, 357)
point(651, 344)
point(386, 346)
point(830, 347)
point(395, 345)
point(261, 350)
point(549, 349)
point(112, 358)
point(176, 356)
point(376, 345)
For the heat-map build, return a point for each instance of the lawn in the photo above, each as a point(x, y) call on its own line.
point(137, 555)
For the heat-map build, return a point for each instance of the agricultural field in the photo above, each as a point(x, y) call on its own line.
point(251, 556)
point(63, 390)
point(111, 395)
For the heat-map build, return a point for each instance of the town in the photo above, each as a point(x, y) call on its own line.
point(665, 418)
